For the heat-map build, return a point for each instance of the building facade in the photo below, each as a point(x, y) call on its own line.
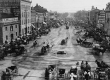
point(9, 29)
point(33, 16)
point(107, 17)
point(25, 12)
point(93, 16)
point(20, 9)
point(101, 19)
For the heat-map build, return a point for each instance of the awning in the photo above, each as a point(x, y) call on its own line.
point(44, 23)
point(32, 25)
point(28, 34)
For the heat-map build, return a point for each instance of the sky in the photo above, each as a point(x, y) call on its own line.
point(70, 5)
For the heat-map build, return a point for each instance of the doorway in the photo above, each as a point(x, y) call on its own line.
point(12, 37)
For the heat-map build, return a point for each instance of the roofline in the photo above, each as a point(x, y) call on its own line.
point(27, 1)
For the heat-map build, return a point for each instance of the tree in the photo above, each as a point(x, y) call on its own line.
point(40, 9)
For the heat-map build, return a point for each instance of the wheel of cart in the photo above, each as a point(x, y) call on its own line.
point(61, 74)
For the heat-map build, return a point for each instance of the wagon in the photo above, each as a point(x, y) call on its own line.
point(100, 74)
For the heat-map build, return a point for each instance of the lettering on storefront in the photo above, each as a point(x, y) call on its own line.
point(9, 20)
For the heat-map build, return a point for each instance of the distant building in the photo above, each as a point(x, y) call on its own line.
point(40, 17)
point(101, 19)
point(9, 29)
point(93, 16)
point(33, 16)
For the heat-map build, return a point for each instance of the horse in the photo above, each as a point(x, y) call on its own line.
point(87, 43)
point(43, 50)
point(78, 41)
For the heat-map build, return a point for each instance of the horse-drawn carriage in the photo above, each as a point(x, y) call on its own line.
point(64, 41)
point(9, 73)
point(97, 49)
point(84, 42)
point(15, 50)
point(100, 74)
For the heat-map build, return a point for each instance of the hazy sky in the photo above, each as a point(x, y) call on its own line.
point(70, 5)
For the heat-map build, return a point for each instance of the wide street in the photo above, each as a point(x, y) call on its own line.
point(36, 65)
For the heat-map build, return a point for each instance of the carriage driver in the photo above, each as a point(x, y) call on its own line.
point(88, 67)
point(85, 66)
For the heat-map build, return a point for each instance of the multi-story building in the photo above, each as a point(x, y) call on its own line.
point(9, 29)
point(25, 12)
point(33, 16)
point(107, 17)
point(101, 19)
point(10, 8)
point(20, 9)
point(93, 16)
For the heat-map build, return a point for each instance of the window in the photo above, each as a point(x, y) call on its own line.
point(24, 21)
point(6, 37)
point(5, 28)
point(28, 21)
point(11, 28)
point(16, 33)
point(15, 26)
point(22, 14)
point(28, 28)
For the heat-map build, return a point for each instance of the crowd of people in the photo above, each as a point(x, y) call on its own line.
point(14, 47)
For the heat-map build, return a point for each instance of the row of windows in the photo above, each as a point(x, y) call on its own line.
point(26, 14)
point(7, 36)
point(24, 21)
point(9, 4)
point(11, 28)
